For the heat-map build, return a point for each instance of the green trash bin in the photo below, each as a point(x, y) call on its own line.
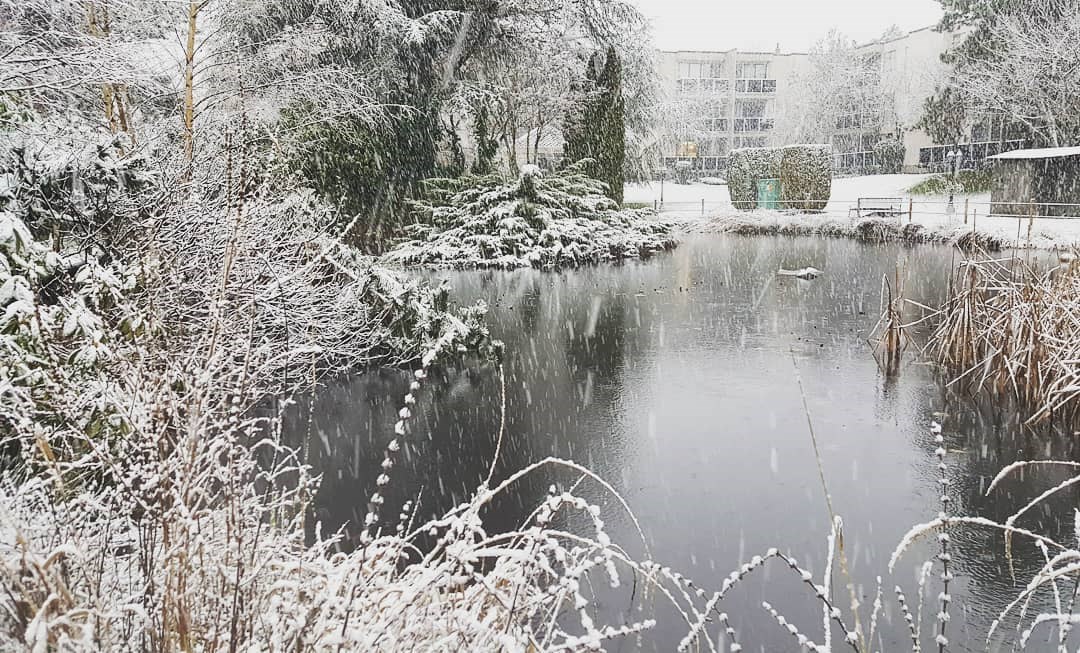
point(768, 194)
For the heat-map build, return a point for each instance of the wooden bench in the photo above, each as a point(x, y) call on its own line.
point(878, 207)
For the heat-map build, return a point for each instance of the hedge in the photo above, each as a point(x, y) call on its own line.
point(745, 167)
point(806, 177)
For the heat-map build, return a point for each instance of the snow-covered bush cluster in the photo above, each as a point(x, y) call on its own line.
point(889, 154)
point(141, 466)
point(745, 167)
point(559, 219)
point(804, 171)
point(806, 177)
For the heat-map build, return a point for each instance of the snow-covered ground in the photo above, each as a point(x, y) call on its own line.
point(702, 206)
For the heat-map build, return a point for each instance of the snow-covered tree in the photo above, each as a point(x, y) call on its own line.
point(520, 82)
point(96, 61)
point(982, 28)
point(839, 89)
point(1031, 74)
point(561, 218)
point(595, 126)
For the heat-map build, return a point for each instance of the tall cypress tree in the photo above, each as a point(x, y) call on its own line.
point(611, 145)
point(486, 146)
point(594, 127)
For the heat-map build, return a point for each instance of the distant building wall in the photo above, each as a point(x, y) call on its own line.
point(910, 66)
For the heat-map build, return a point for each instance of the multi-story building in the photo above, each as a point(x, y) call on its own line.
point(723, 100)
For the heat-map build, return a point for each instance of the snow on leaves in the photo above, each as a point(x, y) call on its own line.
point(544, 221)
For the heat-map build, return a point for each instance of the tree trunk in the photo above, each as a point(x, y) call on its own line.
point(194, 7)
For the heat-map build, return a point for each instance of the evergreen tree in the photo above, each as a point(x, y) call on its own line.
point(945, 116)
point(486, 145)
point(595, 126)
point(611, 144)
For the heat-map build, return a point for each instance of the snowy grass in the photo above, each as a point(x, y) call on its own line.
point(967, 182)
point(167, 560)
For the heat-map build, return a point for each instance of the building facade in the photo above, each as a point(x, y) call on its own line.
point(725, 100)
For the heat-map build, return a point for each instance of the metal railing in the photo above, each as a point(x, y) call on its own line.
point(755, 85)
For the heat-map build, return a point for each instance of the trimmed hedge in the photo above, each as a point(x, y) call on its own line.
point(806, 177)
point(745, 167)
point(804, 171)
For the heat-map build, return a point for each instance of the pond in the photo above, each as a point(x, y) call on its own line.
point(677, 380)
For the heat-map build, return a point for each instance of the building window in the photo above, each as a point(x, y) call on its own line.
point(713, 147)
point(752, 116)
point(859, 120)
point(710, 86)
point(751, 108)
point(750, 141)
point(754, 124)
point(755, 85)
point(689, 70)
point(751, 70)
point(701, 70)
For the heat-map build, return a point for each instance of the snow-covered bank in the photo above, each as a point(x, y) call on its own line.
point(866, 229)
point(702, 208)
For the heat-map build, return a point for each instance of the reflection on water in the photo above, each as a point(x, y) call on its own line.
point(675, 379)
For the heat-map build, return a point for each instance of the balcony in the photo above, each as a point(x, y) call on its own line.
point(858, 121)
point(705, 86)
point(754, 124)
point(755, 86)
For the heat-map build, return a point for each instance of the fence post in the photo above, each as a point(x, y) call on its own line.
point(702, 206)
point(966, 201)
point(1031, 221)
point(656, 205)
point(910, 209)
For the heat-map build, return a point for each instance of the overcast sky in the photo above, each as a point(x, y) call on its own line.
point(794, 24)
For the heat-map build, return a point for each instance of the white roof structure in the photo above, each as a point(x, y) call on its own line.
point(1045, 153)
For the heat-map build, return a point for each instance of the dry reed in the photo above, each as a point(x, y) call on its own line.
point(1010, 329)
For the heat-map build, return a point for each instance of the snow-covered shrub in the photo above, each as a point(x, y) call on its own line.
point(562, 218)
point(745, 167)
point(889, 154)
point(683, 170)
point(806, 177)
point(86, 188)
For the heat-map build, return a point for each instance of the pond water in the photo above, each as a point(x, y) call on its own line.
point(675, 379)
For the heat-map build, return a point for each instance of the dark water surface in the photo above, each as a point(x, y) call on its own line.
point(675, 380)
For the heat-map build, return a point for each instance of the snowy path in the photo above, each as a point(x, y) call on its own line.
point(686, 202)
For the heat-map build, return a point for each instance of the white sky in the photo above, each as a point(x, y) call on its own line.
point(794, 24)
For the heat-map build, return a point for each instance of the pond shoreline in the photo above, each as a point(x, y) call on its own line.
point(878, 230)
point(873, 230)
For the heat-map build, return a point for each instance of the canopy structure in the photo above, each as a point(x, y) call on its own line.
point(1045, 153)
point(1042, 182)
